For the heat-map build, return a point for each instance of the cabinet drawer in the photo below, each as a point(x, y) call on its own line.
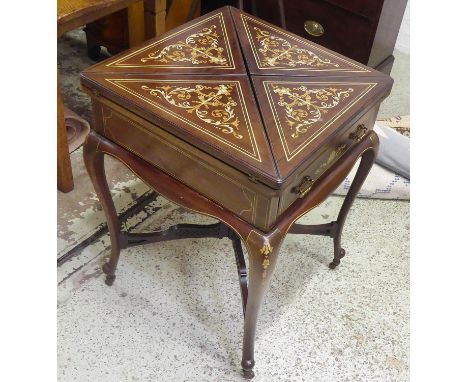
point(344, 32)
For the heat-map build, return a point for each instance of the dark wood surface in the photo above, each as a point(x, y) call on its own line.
point(291, 119)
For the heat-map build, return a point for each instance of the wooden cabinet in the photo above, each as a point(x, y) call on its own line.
point(365, 30)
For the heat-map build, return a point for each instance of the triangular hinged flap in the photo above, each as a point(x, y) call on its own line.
point(270, 50)
point(301, 113)
point(205, 45)
point(216, 114)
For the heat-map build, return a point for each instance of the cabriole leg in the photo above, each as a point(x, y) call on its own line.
point(263, 255)
point(94, 161)
point(367, 160)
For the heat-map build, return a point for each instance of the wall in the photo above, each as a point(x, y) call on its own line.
point(403, 40)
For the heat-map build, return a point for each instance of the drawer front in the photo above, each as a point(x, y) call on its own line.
point(196, 169)
point(337, 148)
point(332, 27)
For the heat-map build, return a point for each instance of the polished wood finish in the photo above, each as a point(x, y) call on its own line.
point(254, 144)
point(137, 95)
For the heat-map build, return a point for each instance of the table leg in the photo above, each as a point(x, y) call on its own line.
point(94, 161)
point(367, 161)
point(263, 252)
point(64, 170)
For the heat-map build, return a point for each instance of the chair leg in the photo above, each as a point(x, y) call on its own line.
point(64, 169)
point(136, 24)
point(94, 161)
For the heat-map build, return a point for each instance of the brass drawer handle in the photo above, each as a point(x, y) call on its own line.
point(304, 187)
point(360, 131)
point(314, 28)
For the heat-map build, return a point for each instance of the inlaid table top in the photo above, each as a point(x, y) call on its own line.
point(252, 95)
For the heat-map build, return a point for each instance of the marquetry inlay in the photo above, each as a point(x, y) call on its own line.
point(277, 49)
point(212, 104)
point(203, 45)
point(304, 110)
point(255, 98)
point(214, 108)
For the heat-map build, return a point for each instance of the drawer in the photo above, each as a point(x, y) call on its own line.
point(343, 31)
point(337, 148)
point(254, 203)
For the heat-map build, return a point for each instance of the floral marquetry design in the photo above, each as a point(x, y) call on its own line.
point(212, 104)
point(202, 47)
point(276, 51)
point(305, 106)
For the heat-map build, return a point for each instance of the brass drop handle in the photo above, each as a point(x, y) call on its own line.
point(314, 28)
point(304, 187)
point(360, 131)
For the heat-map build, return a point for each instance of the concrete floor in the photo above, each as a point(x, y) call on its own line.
point(174, 312)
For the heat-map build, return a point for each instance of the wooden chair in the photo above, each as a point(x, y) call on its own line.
point(72, 14)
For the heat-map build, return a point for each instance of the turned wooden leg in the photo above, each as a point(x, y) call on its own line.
point(94, 161)
point(367, 161)
point(263, 254)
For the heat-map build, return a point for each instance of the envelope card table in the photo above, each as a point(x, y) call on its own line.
point(234, 118)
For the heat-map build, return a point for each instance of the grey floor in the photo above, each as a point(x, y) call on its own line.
point(174, 312)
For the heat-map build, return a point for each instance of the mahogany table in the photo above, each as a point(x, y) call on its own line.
point(234, 118)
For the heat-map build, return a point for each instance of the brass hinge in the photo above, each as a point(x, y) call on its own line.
point(304, 187)
point(358, 133)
